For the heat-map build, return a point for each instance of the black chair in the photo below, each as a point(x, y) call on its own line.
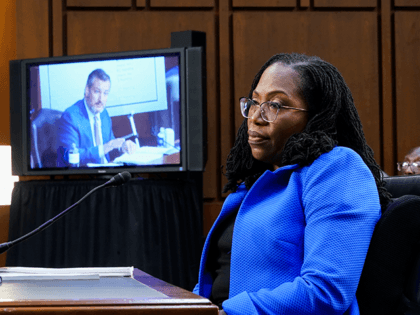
point(403, 185)
point(43, 142)
point(390, 279)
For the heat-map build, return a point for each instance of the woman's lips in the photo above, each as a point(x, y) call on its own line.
point(255, 137)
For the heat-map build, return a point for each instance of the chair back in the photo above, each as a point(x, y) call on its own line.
point(403, 185)
point(43, 146)
point(389, 283)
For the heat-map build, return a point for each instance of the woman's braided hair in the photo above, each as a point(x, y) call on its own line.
point(333, 120)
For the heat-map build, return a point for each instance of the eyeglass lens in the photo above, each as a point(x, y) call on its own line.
point(404, 166)
point(249, 108)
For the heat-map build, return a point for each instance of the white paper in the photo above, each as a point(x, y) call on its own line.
point(26, 276)
point(35, 273)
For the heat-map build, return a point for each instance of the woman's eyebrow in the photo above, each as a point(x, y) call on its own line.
point(271, 93)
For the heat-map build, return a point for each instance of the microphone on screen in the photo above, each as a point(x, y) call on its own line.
point(119, 179)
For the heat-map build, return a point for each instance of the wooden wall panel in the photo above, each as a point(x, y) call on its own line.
point(227, 101)
point(264, 3)
point(407, 3)
point(99, 3)
point(332, 36)
point(32, 29)
point(182, 3)
point(407, 47)
point(123, 31)
point(57, 27)
point(7, 52)
point(387, 77)
point(4, 230)
point(345, 3)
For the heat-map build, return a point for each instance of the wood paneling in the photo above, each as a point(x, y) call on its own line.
point(407, 47)
point(7, 52)
point(182, 3)
point(388, 121)
point(304, 3)
point(227, 102)
point(407, 3)
point(264, 3)
point(332, 36)
point(123, 31)
point(141, 3)
point(99, 3)
point(4, 230)
point(32, 32)
point(57, 27)
point(345, 3)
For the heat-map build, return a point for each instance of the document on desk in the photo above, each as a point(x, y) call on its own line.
point(35, 273)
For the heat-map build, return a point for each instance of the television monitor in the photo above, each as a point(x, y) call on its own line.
point(137, 111)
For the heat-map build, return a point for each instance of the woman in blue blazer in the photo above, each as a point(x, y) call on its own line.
point(306, 194)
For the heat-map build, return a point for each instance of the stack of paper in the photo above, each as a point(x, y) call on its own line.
point(145, 155)
point(34, 273)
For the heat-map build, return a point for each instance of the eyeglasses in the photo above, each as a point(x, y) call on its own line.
point(269, 110)
point(403, 166)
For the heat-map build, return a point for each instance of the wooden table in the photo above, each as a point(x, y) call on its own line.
point(104, 296)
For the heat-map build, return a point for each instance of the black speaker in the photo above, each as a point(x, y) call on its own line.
point(196, 107)
point(196, 95)
point(188, 39)
point(16, 95)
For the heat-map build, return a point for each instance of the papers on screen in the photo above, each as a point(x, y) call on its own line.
point(35, 273)
point(146, 155)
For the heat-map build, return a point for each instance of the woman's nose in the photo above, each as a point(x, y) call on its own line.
point(256, 118)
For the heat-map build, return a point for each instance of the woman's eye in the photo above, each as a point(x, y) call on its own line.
point(275, 105)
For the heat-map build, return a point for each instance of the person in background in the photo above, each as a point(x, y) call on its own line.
point(411, 163)
point(306, 193)
point(87, 126)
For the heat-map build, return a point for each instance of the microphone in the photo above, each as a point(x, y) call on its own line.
point(117, 180)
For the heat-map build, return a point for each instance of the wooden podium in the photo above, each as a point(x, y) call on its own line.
point(142, 295)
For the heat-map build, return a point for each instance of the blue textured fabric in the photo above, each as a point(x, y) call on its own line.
point(300, 238)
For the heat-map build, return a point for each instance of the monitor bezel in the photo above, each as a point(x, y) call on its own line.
point(25, 64)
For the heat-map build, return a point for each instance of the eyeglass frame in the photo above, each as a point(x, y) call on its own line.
point(279, 106)
point(400, 165)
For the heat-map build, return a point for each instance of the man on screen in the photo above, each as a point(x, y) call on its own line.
point(87, 126)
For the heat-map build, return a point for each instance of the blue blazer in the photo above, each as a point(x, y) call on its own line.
point(74, 127)
point(300, 238)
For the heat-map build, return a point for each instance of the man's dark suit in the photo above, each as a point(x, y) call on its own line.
point(74, 127)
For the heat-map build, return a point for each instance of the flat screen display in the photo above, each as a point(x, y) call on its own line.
point(93, 114)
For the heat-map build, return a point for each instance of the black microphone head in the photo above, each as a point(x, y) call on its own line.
point(119, 179)
point(125, 176)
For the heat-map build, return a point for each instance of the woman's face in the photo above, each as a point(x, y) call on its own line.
point(278, 84)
